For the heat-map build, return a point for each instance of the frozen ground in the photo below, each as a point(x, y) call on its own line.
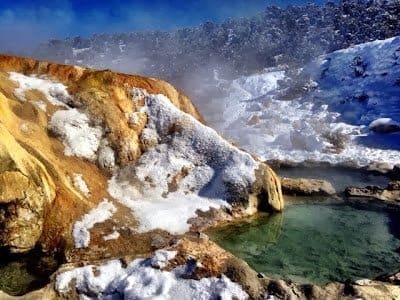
point(343, 93)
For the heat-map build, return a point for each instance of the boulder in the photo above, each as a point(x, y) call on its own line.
point(306, 187)
point(384, 125)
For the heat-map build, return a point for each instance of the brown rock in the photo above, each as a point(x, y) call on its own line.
point(306, 187)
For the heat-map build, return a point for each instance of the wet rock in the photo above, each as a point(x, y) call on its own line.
point(306, 187)
point(389, 196)
point(267, 189)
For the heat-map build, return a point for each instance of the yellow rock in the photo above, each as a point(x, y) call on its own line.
point(26, 191)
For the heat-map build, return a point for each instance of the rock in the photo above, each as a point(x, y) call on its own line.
point(393, 186)
point(46, 293)
point(394, 174)
point(158, 241)
point(306, 187)
point(389, 196)
point(239, 271)
point(379, 168)
point(26, 191)
point(267, 189)
point(393, 278)
point(376, 290)
point(384, 125)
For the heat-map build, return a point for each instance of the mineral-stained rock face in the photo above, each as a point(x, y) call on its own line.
point(74, 139)
point(26, 191)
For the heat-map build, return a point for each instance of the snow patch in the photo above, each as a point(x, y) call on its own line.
point(79, 138)
point(190, 168)
point(81, 185)
point(98, 214)
point(55, 92)
point(139, 280)
point(112, 236)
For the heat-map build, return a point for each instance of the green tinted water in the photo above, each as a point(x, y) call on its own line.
point(316, 243)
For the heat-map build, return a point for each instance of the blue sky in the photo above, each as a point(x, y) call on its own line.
point(24, 22)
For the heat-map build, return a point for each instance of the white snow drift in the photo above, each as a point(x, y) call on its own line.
point(349, 89)
point(189, 169)
point(140, 280)
point(79, 138)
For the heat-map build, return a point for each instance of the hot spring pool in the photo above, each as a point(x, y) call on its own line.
point(316, 243)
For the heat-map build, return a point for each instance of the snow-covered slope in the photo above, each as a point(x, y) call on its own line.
point(187, 168)
point(328, 118)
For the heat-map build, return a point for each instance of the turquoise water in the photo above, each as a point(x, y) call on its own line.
point(316, 243)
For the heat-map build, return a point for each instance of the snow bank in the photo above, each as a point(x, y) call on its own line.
point(79, 138)
point(190, 167)
point(55, 92)
point(350, 89)
point(98, 214)
point(81, 185)
point(360, 82)
point(139, 280)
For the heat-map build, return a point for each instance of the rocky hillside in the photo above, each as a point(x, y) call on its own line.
point(90, 156)
point(291, 35)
